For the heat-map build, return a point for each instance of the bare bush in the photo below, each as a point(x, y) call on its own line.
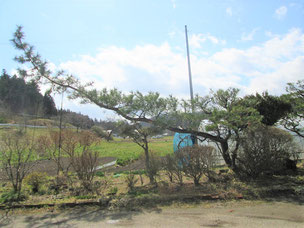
point(131, 180)
point(196, 161)
point(168, 166)
point(265, 150)
point(54, 146)
point(59, 183)
point(75, 146)
point(16, 150)
point(173, 168)
point(83, 160)
point(154, 168)
point(51, 145)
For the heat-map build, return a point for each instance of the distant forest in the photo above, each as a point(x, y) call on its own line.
point(18, 97)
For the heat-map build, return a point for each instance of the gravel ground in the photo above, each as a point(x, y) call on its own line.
point(216, 214)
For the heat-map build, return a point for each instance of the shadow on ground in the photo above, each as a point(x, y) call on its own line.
point(73, 216)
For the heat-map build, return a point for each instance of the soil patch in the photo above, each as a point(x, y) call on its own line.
point(135, 165)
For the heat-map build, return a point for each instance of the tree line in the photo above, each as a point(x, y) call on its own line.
point(19, 96)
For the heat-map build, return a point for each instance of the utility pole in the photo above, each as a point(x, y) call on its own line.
point(193, 137)
point(189, 69)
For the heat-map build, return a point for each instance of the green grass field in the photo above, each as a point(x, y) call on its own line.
point(128, 150)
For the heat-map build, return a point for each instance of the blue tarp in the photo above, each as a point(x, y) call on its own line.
point(181, 140)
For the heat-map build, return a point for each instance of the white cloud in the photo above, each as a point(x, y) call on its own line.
point(196, 40)
point(172, 34)
point(270, 34)
point(264, 58)
point(144, 68)
point(267, 66)
point(275, 81)
point(281, 12)
point(249, 36)
point(229, 11)
point(173, 3)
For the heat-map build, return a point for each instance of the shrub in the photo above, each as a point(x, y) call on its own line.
point(16, 150)
point(55, 145)
point(85, 168)
point(59, 183)
point(196, 161)
point(265, 150)
point(131, 180)
point(100, 174)
point(12, 196)
point(123, 161)
point(35, 180)
point(2, 119)
point(168, 166)
point(154, 168)
point(113, 191)
point(173, 168)
point(138, 172)
point(83, 160)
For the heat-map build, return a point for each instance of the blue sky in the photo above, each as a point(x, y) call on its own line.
point(254, 45)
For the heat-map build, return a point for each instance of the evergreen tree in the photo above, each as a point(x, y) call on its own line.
point(49, 106)
point(18, 96)
point(271, 108)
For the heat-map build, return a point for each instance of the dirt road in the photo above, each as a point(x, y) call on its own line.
point(215, 214)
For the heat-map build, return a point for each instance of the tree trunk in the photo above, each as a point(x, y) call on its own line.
point(147, 158)
point(196, 181)
point(148, 169)
point(229, 160)
point(225, 153)
point(234, 167)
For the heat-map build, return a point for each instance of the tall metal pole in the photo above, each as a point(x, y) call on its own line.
point(189, 67)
